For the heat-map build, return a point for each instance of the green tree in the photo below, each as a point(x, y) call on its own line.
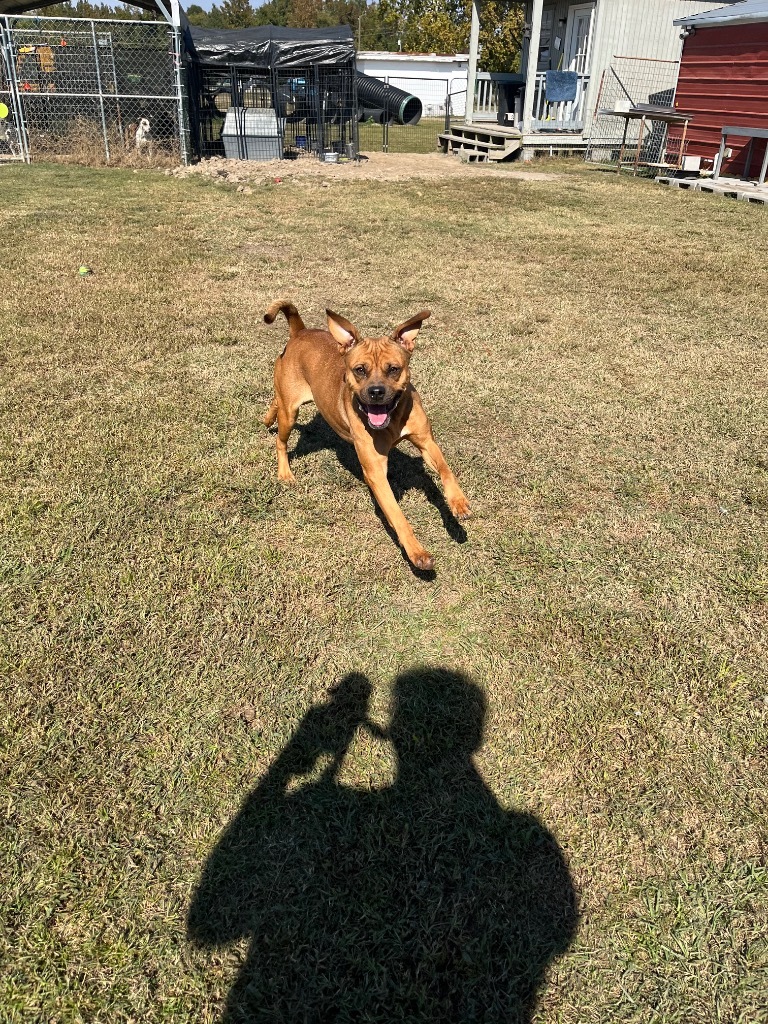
point(206, 19)
point(442, 26)
point(237, 13)
point(364, 19)
point(305, 13)
point(86, 9)
point(274, 12)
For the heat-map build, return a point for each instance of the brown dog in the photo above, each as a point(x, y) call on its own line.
point(362, 389)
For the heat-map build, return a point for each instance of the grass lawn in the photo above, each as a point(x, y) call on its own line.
point(403, 138)
point(571, 713)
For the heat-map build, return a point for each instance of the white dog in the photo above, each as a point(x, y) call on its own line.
point(144, 136)
point(11, 136)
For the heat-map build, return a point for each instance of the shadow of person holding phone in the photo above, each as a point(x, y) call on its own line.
point(422, 901)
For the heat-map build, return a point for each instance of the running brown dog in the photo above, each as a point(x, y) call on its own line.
point(362, 388)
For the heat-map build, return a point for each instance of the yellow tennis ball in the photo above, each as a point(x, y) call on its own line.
point(84, 271)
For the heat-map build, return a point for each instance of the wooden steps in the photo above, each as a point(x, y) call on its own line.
point(478, 144)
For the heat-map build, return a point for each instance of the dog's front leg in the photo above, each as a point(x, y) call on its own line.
point(435, 459)
point(375, 473)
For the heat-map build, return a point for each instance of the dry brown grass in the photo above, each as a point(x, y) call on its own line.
point(596, 373)
point(83, 144)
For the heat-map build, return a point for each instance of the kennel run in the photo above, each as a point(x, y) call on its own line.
point(267, 93)
point(283, 93)
point(121, 91)
point(98, 90)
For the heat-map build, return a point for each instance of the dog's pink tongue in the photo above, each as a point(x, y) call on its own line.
point(377, 419)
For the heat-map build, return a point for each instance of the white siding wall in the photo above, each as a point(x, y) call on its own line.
point(625, 28)
point(421, 75)
point(638, 28)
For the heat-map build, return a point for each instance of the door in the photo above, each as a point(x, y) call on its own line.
point(544, 62)
point(578, 38)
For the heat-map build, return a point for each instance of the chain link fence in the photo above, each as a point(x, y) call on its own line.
point(629, 81)
point(92, 91)
point(381, 132)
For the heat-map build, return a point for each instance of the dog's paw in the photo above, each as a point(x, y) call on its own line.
point(422, 560)
point(286, 478)
point(460, 508)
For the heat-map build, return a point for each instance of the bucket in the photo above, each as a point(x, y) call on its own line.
point(301, 142)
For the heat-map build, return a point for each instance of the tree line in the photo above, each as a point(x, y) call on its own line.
point(415, 26)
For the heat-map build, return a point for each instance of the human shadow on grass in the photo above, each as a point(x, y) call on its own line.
point(406, 472)
point(424, 901)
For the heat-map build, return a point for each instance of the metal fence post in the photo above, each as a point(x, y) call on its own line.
point(385, 126)
point(320, 107)
point(6, 35)
point(184, 141)
point(101, 91)
point(355, 115)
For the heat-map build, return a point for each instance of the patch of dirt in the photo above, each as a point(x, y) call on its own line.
point(374, 167)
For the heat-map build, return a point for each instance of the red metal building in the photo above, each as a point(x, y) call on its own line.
point(724, 81)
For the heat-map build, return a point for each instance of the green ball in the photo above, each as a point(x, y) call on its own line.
point(84, 271)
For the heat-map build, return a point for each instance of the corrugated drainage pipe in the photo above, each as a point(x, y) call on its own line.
point(401, 106)
point(375, 114)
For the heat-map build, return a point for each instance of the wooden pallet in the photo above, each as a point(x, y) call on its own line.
point(479, 144)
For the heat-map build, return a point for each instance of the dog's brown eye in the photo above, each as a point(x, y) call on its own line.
point(360, 371)
point(394, 371)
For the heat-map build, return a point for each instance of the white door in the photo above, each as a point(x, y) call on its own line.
point(578, 38)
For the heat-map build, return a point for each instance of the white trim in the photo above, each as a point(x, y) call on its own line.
point(428, 58)
point(742, 19)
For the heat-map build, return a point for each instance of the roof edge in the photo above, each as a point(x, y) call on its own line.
point(730, 15)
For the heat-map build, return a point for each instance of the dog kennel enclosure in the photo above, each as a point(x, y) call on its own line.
point(272, 93)
point(92, 90)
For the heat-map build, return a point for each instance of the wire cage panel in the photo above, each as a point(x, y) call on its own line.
point(96, 91)
point(319, 110)
point(13, 140)
point(627, 82)
point(383, 126)
point(313, 111)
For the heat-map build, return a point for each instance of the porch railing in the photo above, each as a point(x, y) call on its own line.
point(486, 98)
point(487, 93)
point(559, 117)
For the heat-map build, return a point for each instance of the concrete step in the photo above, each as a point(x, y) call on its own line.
point(475, 133)
point(476, 148)
point(452, 137)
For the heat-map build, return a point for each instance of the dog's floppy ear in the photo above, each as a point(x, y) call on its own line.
point(345, 334)
point(406, 333)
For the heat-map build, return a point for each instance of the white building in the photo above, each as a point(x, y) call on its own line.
point(428, 76)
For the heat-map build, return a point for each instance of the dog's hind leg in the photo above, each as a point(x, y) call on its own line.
point(286, 421)
point(271, 414)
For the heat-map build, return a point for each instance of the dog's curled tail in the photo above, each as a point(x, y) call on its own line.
point(295, 323)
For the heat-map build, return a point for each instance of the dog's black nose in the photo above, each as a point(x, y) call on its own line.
point(376, 392)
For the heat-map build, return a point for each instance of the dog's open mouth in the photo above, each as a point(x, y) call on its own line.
point(378, 416)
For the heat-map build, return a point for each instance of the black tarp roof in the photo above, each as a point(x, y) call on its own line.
point(272, 46)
